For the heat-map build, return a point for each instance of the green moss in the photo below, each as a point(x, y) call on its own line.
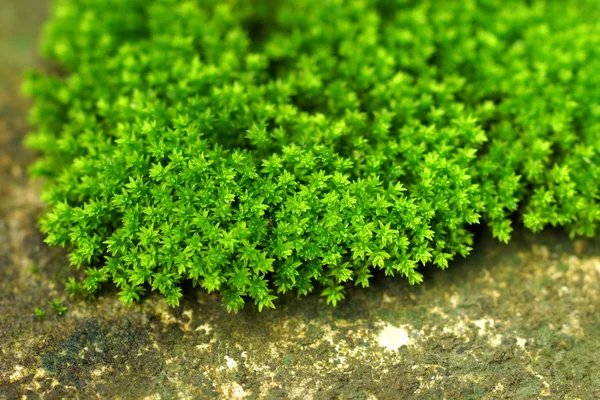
point(39, 313)
point(58, 307)
point(260, 147)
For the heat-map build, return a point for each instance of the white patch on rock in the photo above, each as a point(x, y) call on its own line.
point(235, 391)
point(231, 363)
point(564, 290)
point(204, 327)
point(482, 324)
point(392, 337)
point(494, 339)
point(17, 375)
point(498, 388)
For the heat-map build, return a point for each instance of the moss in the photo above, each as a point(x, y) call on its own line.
point(260, 147)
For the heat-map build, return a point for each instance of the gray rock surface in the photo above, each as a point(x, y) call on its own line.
point(511, 322)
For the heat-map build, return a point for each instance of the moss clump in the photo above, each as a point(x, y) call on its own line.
point(259, 147)
point(40, 313)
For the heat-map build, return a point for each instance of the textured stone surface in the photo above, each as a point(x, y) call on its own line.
point(511, 322)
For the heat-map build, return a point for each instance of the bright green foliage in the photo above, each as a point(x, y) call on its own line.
point(260, 147)
point(58, 307)
point(39, 313)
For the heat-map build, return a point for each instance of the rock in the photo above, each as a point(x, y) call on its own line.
point(516, 321)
